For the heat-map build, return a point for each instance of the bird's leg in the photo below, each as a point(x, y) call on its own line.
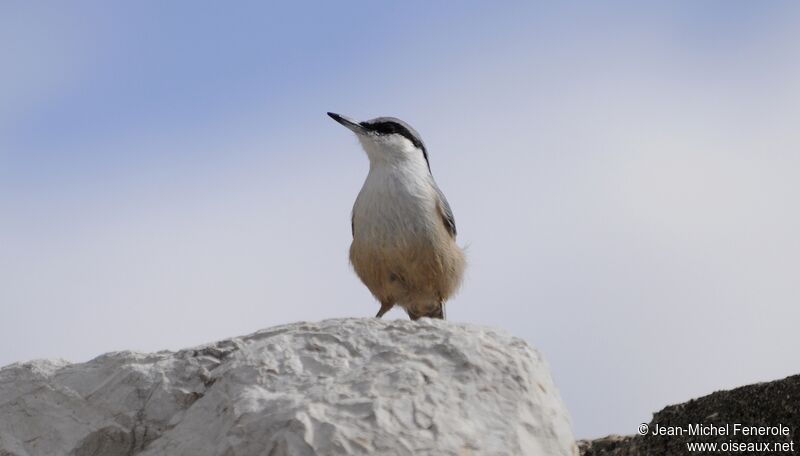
point(385, 307)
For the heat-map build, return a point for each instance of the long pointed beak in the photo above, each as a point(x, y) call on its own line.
point(347, 122)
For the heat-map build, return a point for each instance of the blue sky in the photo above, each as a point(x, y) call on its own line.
point(624, 176)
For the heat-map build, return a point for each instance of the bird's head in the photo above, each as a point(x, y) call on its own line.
point(387, 140)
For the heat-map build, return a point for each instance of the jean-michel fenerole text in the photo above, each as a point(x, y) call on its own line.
point(721, 429)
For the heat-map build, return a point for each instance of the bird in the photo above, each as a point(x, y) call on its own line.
point(404, 233)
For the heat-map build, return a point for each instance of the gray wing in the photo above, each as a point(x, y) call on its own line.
point(446, 212)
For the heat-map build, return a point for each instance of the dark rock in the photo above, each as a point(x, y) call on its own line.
point(763, 405)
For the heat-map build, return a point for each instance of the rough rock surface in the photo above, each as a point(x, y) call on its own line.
point(761, 405)
point(338, 387)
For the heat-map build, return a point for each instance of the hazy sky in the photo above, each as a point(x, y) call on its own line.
point(625, 178)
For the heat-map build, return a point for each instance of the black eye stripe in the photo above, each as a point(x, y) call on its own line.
point(388, 128)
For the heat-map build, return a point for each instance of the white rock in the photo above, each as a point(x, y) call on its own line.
point(338, 387)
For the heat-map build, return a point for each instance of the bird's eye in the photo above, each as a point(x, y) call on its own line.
point(383, 128)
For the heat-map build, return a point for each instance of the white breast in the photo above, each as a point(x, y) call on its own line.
point(395, 205)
